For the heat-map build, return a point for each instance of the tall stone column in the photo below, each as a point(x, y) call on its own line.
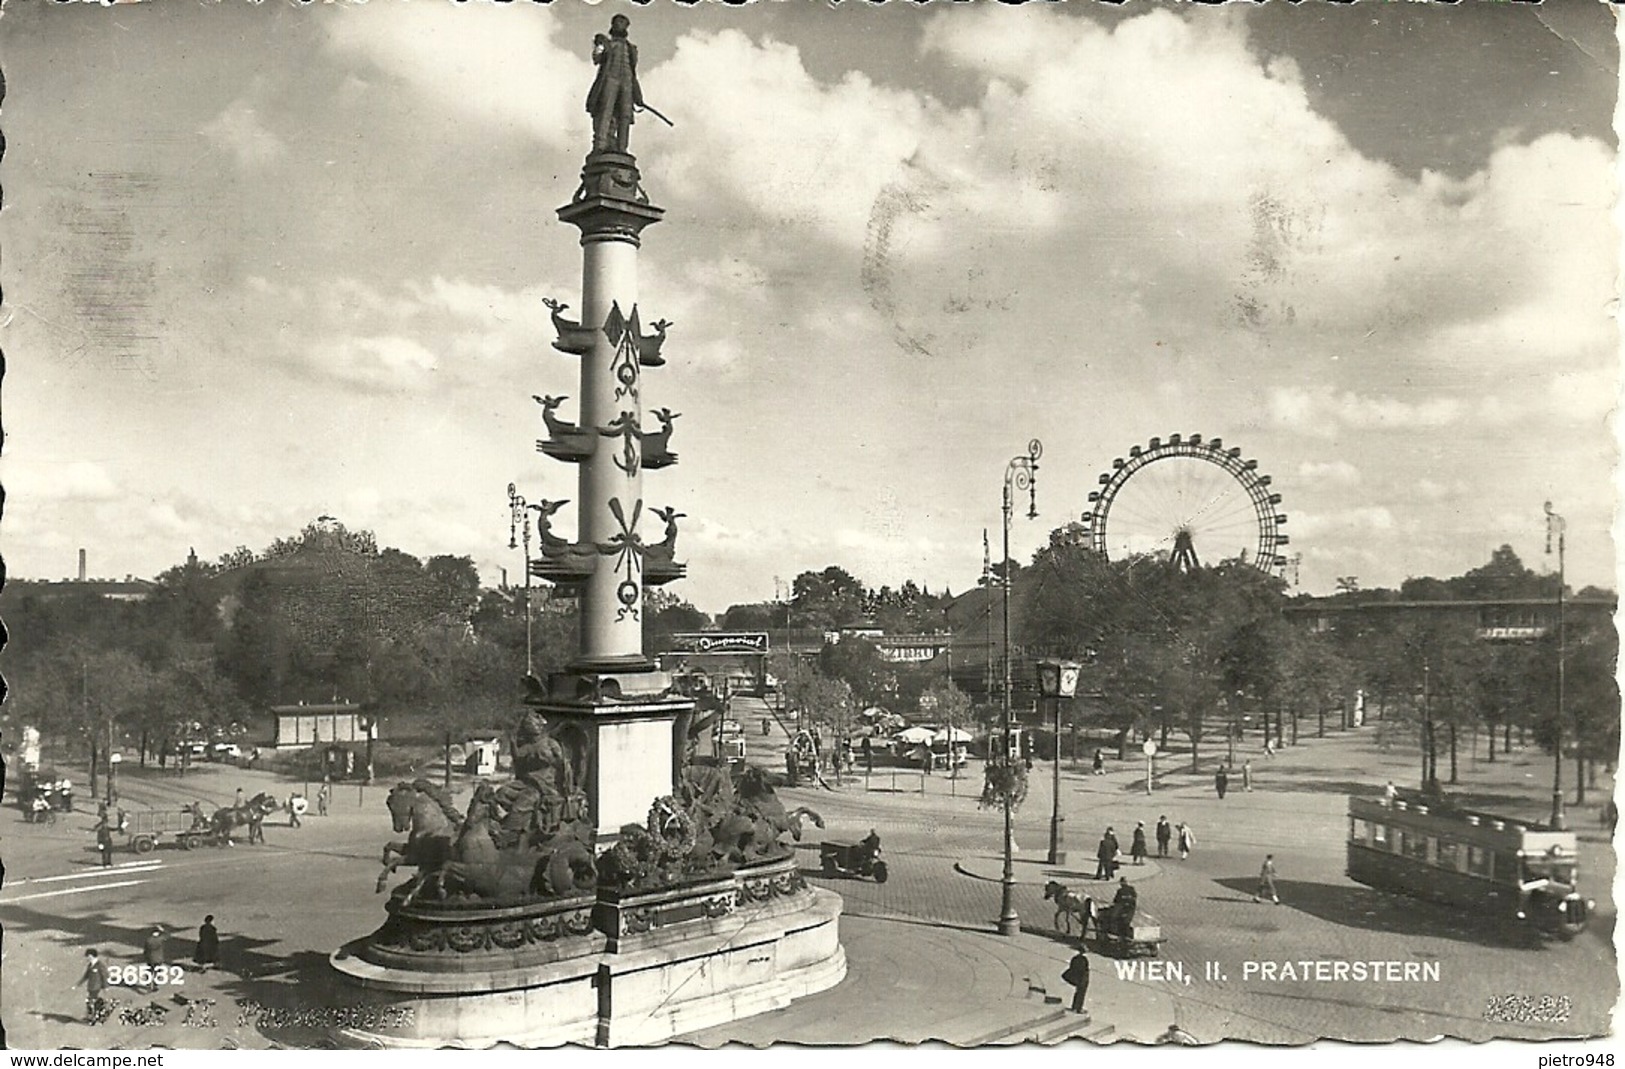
point(612, 707)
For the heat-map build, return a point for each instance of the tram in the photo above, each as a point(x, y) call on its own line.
point(1518, 873)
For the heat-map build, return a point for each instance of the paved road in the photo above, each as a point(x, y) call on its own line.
point(283, 906)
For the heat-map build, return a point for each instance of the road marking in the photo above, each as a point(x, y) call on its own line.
point(70, 891)
point(144, 861)
point(147, 866)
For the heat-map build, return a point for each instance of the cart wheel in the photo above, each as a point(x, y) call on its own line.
point(829, 865)
point(188, 842)
point(880, 872)
point(144, 845)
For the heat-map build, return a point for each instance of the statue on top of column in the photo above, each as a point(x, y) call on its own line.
point(615, 92)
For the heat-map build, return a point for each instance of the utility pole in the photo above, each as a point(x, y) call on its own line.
point(1555, 524)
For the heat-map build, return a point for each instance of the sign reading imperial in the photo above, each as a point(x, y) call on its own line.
point(721, 642)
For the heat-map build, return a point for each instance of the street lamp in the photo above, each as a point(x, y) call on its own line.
point(1056, 680)
point(1556, 525)
point(519, 521)
point(1020, 474)
point(113, 761)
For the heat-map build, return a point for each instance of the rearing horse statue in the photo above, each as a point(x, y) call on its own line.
point(424, 812)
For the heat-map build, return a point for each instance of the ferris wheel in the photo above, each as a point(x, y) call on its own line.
point(1186, 496)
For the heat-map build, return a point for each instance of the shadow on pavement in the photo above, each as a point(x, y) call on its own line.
point(1380, 911)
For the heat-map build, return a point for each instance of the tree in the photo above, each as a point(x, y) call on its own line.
point(858, 664)
point(830, 599)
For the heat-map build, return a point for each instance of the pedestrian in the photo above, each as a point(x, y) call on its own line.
point(1106, 856)
point(95, 981)
point(1165, 834)
point(1269, 747)
point(324, 795)
point(1077, 974)
point(1389, 794)
point(1187, 839)
point(1266, 880)
point(208, 944)
point(154, 953)
point(1221, 781)
point(1137, 849)
point(1100, 762)
point(297, 806)
point(239, 802)
point(104, 842)
point(1246, 775)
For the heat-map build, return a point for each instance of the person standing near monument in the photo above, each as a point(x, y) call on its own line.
point(1077, 974)
point(208, 944)
point(95, 980)
point(1187, 839)
point(1165, 834)
point(615, 91)
point(104, 842)
point(1137, 848)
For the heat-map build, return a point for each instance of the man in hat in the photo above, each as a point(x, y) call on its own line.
point(615, 91)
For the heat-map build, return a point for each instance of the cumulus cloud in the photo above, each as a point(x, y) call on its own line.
point(1332, 473)
point(490, 64)
point(239, 131)
point(72, 481)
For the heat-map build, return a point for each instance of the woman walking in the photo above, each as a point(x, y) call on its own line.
point(1187, 839)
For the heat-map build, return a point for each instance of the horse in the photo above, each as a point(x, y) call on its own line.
point(1069, 904)
point(478, 866)
point(252, 813)
point(424, 812)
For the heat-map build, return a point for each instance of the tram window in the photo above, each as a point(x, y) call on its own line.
point(1416, 846)
point(1379, 834)
point(1359, 830)
point(1448, 855)
point(1478, 861)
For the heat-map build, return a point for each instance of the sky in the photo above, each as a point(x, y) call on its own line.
point(266, 262)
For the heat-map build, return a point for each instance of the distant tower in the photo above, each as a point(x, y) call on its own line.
point(81, 564)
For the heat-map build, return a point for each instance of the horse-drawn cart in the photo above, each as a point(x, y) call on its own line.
point(146, 828)
point(1142, 939)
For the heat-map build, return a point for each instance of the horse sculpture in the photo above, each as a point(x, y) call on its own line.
point(431, 822)
point(1069, 904)
point(478, 866)
point(752, 827)
point(251, 813)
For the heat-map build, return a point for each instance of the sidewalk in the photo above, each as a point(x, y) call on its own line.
point(915, 983)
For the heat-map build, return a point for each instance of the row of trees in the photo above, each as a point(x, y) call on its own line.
point(1196, 652)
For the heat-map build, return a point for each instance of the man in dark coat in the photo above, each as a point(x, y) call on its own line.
point(1221, 780)
point(208, 944)
point(1106, 856)
point(104, 842)
point(1137, 849)
point(615, 91)
point(1124, 905)
point(1077, 974)
point(1165, 835)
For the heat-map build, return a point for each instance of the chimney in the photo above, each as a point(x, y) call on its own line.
point(81, 565)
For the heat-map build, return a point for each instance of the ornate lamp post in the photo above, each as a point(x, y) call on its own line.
point(1556, 525)
point(519, 527)
point(1020, 474)
point(1056, 680)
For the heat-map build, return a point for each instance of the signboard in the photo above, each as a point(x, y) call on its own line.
point(721, 642)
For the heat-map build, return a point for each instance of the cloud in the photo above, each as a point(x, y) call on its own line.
point(388, 363)
point(82, 481)
point(1333, 473)
point(1323, 412)
point(239, 131)
point(492, 65)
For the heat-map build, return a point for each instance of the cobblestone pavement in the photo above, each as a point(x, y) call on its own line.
point(924, 961)
point(944, 862)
